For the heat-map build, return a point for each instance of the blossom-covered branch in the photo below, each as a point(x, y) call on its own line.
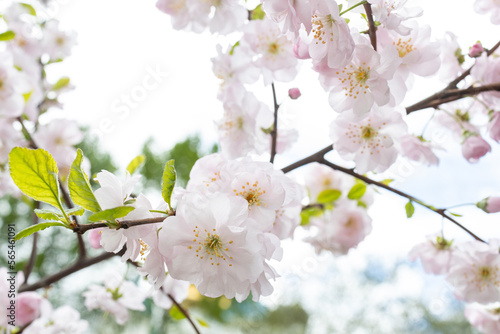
point(123, 224)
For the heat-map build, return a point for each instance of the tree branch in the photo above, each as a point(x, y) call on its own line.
point(372, 30)
point(186, 314)
point(274, 132)
point(31, 261)
point(441, 212)
point(315, 157)
point(78, 265)
point(124, 224)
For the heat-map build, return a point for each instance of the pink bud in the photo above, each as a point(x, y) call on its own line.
point(95, 238)
point(494, 127)
point(294, 93)
point(493, 204)
point(475, 147)
point(476, 50)
point(301, 50)
point(28, 307)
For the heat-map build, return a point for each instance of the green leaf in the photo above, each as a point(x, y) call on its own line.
point(306, 214)
point(410, 209)
point(234, 47)
point(7, 36)
point(168, 181)
point(455, 214)
point(136, 163)
point(387, 181)
point(35, 173)
point(257, 13)
point(49, 215)
point(30, 8)
point(329, 195)
point(176, 314)
point(357, 191)
point(202, 322)
point(75, 211)
point(27, 96)
point(35, 228)
point(111, 214)
point(61, 83)
point(79, 186)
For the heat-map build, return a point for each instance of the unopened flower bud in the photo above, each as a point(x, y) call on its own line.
point(95, 238)
point(294, 93)
point(476, 50)
point(474, 147)
point(489, 204)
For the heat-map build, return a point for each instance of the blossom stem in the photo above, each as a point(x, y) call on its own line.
point(441, 212)
point(124, 224)
point(274, 132)
point(352, 7)
point(372, 30)
point(186, 314)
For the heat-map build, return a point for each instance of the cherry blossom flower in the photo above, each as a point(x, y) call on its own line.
point(116, 297)
point(391, 14)
point(417, 149)
point(340, 229)
point(291, 14)
point(13, 85)
point(94, 236)
point(476, 50)
point(436, 254)
point(486, 318)
point(475, 272)
point(368, 141)
point(487, 71)
point(494, 127)
point(332, 43)
point(362, 83)
point(64, 319)
point(57, 43)
point(451, 58)
point(488, 6)
point(179, 13)
point(274, 52)
point(213, 244)
point(28, 306)
point(9, 138)
point(474, 148)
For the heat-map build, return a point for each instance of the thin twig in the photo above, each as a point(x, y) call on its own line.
point(441, 212)
point(372, 30)
point(31, 261)
point(274, 132)
point(186, 314)
point(315, 157)
point(124, 224)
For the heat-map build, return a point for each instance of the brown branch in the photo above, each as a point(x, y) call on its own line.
point(372, 30)
point(274, 132)
point(315, 157)
point(450, 95)
point(124, 224)
point(78, 265)
point(186, 314)
point(441, 212)
point(31, 261)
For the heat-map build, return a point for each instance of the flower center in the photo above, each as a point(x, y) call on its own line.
point(404, 47)
point(273, 48)
point(353, 80)
point(319, 23)
point(368, 133)
point(251, 192)
point(211, 247)
point(115, 294)
point(483, 277)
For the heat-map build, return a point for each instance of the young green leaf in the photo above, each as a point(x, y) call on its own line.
point(257, 13)
point(79, 186)
point(61, 83)
point(35, 228)
point(111, 214)
point(29, 8)
point(136, 163)
point(35, 173)
point(7, 36)
point(329, 195)
point(75, 211)
point(176, 314)
point(50, 215)
point(410, 209)
point(357, 191)
point(202, 322)
point(306, 214)
point(168, 181)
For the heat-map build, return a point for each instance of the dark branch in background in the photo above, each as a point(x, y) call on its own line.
point(26, 133)
point(372, 30)
point(31, 261)
point(274, 132)
point(78, 265)
point(186, 314)
point(451, 93)
point(320, 157)
point(124, 224)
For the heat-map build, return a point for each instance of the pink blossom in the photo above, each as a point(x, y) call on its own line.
point(418, 150)
point(28, 307)
point(476, 50)
point(451, 58)
point(475, 272)
point(369, 141)
point(64, 319)
point(56, 42)
point(301, 49)
point(486, 318)
point(294, 93)
point(487, 71)
point(95, 238)
point(494, 127)
point(492, 6)
point(436, 254)
point(391, 13)
point(474, 148)
point(290, 14)
point(489, 204)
